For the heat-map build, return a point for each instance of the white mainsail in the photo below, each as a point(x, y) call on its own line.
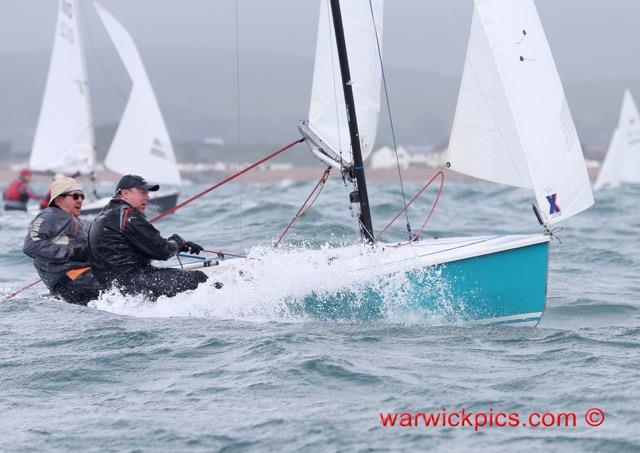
point(141, 144)
point(64, 140)
point(512, 123)
point(327, 113)
point(622, 162)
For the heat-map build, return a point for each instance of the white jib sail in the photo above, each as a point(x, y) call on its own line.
point(622, 162)
point(141, 144)
point(64, 141)
point(327, 112)
point(512, 124)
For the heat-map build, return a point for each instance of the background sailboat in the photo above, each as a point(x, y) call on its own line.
point(64, 141)
point(622, 162)
point(512, 126)
point(141, 144)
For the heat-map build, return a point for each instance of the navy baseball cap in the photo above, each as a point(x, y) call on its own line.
point(137, 182)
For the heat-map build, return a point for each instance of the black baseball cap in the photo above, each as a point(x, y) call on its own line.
point(135, 181)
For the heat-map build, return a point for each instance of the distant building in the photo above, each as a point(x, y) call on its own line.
point(213, 141)
point(385, 159)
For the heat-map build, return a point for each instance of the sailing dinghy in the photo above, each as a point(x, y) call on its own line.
point(621, 165)
point(512, 126)
point(64, 141)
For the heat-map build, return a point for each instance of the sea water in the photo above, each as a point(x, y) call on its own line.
point(247, 373)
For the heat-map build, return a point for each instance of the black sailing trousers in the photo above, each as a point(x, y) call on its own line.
point(154, 282)
point(80, 291)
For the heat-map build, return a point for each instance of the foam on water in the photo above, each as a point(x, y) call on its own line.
point(254, 367)
point(300, 284)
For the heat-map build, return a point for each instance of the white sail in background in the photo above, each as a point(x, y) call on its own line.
point(327, 112)
point(141, 144)
point(64, 141)
point(512, 122)
point(622, 162)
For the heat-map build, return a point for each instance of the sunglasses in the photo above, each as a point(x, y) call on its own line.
point(75, 196)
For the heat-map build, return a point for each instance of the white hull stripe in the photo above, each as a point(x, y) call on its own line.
point(532, 318)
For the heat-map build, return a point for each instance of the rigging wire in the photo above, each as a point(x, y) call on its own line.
point(416, 236)
point(237, 49)
point(107, 75)
point(306, 205)
point(393, 133)
point(333, 79)
point(222, 254)
point(226, 180)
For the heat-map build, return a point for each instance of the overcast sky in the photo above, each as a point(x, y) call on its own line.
point(589, 38)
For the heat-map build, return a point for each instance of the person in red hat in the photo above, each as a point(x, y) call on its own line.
point(18, 193)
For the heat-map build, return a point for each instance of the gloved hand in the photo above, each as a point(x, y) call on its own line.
point(192, 248)
point(179, 241)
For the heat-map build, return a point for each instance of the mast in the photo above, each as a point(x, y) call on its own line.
point(84, 86)
point(359, 196)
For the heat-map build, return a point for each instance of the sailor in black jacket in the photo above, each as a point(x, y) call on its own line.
point(122, 244)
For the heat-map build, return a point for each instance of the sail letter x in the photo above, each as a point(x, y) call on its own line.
point(553, 206)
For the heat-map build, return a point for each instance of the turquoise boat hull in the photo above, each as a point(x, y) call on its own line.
point(506, 287)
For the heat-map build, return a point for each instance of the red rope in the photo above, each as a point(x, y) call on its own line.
point(433, 207)
point(322, 180)
point(21, 289)
point(226, 180)
point(195, 197)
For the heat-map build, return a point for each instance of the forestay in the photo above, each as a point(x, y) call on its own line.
point(622, 162)
point(141, 144)
point(512, 123)
point(327, 112)
point(64, 140)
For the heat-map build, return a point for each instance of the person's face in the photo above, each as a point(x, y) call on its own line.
point(71, 202)
point(137, 198)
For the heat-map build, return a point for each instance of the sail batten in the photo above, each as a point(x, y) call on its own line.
point(327, 114)
point(513, 124)
point(141, 144)
point(64, 139)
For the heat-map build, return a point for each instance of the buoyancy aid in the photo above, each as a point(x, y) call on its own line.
point(16, 191)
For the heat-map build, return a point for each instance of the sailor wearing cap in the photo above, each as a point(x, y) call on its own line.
point(44, 203)
point(57, 242)
point(123, 243)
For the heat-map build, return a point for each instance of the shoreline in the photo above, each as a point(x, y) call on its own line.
point(295, 174)
point(262, 176)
